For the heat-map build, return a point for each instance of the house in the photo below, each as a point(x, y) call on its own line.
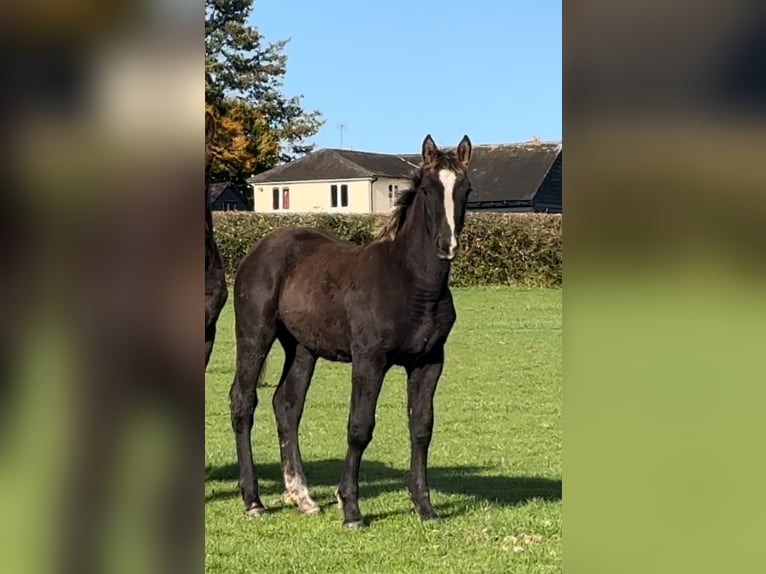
point(522, 177)
point(230, 196)
point(333, 180)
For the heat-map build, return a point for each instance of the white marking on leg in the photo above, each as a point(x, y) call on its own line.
point(298, 493)
point(447, 177)
point(295, 487)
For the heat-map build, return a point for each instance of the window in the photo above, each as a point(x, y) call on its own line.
point(393, 191)
point(280, 200)
point(285, 198)
point(344, 195)
point(341, 201)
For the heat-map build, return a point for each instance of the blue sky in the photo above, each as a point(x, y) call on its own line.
point(395, 70)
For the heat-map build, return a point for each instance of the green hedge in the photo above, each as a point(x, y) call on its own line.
point(497, 249)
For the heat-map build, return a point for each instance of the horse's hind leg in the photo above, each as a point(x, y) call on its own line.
point(288, 404)
point(251, 355)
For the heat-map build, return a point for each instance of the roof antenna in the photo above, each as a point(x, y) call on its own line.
point(341, 127)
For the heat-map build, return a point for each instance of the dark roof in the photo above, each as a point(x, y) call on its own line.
point(510, 171)
point(221, 195)
point(216, 189)
point(381, 164)
point(331, 163)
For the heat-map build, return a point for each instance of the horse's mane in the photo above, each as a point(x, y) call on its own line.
point(443, 160)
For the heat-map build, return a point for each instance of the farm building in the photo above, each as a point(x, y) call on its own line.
point(230, 196)
point(523, 177)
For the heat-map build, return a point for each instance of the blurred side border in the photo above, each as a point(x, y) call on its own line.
point(102, 385)
point(664, 301)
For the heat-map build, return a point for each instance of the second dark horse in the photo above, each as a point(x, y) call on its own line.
point(215, 279)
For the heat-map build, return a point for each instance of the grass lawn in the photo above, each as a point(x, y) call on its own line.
point(494, 465)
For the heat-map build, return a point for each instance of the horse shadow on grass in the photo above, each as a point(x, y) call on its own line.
point(377, 478)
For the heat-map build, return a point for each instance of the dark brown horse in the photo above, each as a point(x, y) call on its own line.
point(382, 304)
point(215, 280)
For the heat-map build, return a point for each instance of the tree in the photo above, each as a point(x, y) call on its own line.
point(260, 126)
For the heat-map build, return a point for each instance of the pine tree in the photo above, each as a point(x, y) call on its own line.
point(243, 85)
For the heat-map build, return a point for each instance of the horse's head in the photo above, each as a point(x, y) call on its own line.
point(445, 187)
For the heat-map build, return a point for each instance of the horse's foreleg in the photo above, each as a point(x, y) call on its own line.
point(288, 404)
point(421, 385)
point(366, 381)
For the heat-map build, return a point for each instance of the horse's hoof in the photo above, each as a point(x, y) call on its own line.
point(305, 504)
point(430, 516)
point(255, 511)
point(310, 509)
point(355, 524)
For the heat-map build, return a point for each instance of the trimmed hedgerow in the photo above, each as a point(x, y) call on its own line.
point(497, 248)
point(507, 249)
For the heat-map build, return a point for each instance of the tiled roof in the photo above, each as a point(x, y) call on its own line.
point(336, 164)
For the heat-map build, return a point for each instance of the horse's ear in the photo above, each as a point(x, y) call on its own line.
point(429, 150)
point(464, 151)
point(209, 127)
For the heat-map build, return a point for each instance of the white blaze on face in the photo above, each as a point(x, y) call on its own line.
point(447, 177)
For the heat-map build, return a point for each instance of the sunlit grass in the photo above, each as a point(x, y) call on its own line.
point(495, 459)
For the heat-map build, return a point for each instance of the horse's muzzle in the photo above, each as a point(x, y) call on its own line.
point(446, 250)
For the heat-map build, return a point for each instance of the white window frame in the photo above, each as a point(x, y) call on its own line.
point(281, 197)
point(339, 197)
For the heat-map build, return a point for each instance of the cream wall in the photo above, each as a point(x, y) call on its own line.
point(314, 196)
point(380, 200)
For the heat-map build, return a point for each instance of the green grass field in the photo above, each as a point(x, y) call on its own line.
point(494, 468)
